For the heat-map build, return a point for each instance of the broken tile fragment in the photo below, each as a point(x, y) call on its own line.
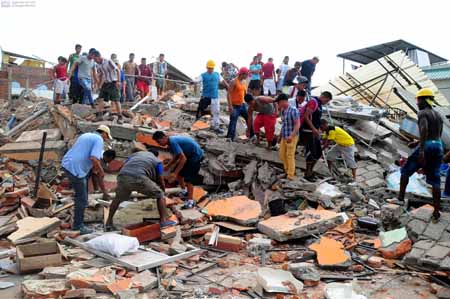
point(239, 209)
point(331, 254)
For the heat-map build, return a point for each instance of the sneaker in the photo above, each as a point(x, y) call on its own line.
point(119, 120)
point(84, 230)
point(189, 204)
point(167, 223)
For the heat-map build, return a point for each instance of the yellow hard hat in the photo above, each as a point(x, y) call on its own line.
point(105, 129)
point(210, 64)
point(425, 92)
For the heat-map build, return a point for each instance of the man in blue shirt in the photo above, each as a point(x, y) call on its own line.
point(84, 156)
point(255, 77)
point(210, 94)
point(308, 69)
point(186, 162)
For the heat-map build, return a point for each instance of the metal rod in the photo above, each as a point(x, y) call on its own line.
point(39, 169)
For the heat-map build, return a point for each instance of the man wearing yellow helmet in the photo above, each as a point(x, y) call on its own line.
point(210, 94)
point(428, 150)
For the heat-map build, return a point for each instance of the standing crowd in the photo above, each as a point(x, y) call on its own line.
point(259, 94)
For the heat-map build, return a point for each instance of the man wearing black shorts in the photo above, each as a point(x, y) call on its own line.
point(186, 162)
point(310, 116)
point(255, 77)
point(109, 80)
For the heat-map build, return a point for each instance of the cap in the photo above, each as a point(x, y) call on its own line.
point(243, 70)
point(105, 129)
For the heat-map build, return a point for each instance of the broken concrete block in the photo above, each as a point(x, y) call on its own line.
point(390, 214)
point(81, 293)
point(393, 236)
point(305, 272)
point(168, 232)
point(188, 216)
point(328, 191)
point(283, 227)
point(239, 209)
point(144, 281)
point(278, 281)
point(249, 172)
point(331, 254)
point(30, 226)
point(24, 151)
point(225, 242)
point(48, 288)
point(36, 135)
point(258, 245)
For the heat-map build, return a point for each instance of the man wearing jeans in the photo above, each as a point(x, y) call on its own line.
point(131, 70)
point(84, 156)
point(210, 94)
point(86, 73)
point(185, 165)
point(236, 104)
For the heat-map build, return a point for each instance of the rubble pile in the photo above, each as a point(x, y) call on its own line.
point(253, 233)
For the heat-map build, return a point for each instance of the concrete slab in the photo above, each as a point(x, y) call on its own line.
point(310, 221)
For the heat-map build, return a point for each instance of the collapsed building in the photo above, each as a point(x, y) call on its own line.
point(253, 233)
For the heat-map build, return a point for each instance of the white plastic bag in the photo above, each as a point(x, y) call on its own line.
point(114, 244)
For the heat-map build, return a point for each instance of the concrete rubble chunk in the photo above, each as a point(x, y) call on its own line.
point(47, 288)
point(331, 254)
point(257, 245)
point(144, 281)
point(188, 216)
point(310, 221)
point(80, 293)
point(306, 272)
point(337, 290)
point(278, 281)
point(423, 213)
point(415, 228)
point(250, 171)
point(239, 209)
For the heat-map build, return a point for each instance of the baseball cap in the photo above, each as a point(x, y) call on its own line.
point(243, 70)
point(105, 129)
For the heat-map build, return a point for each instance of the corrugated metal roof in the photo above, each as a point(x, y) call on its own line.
point(438, 74)
point(370, 54)
point(380, 77)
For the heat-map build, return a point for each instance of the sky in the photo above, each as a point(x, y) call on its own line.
point(192, 32)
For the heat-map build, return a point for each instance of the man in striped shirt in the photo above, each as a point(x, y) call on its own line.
point(109, 80)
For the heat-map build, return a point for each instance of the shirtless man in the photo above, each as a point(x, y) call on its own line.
point(428, 150)
point(131, 70)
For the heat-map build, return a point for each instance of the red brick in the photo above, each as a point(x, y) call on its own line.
point(143, 231)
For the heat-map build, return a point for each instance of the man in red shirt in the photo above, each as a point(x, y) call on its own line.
point(268, 70)
point(60, 79)
point(143, 82)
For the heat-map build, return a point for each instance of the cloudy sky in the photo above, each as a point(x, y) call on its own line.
point(191, 32)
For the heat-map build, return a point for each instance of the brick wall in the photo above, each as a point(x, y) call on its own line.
point(20, 74)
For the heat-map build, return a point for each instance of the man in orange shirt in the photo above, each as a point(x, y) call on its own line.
point(236, 105)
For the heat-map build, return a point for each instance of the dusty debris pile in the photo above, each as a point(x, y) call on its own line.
point(253, 234)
